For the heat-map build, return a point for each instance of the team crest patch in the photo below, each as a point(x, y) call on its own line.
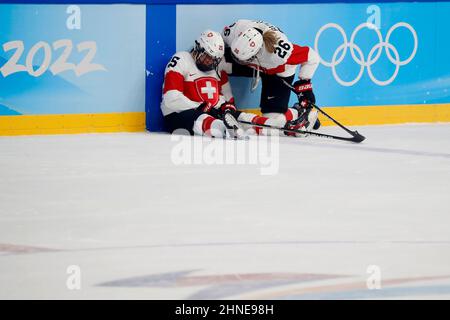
point(208, 89)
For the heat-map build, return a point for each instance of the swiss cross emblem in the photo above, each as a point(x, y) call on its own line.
point(208, 89)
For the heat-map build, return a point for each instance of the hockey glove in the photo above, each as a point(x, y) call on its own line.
point(305, 94)
point(229, 107)
point(207, 107)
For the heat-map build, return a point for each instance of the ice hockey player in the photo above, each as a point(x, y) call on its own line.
point(260, 50)
point(197, 95)
point(193, 91)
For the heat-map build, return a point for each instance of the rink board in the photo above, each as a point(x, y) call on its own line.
point(68, 68)
point(135, 121)
point(111, 78)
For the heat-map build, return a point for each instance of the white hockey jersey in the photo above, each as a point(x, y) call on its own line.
point(284, 60)
point(186, 87)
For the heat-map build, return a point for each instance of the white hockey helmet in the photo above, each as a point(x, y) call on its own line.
point(209, 43)
point(247, 45)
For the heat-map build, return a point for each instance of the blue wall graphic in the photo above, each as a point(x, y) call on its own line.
point(128, 45)
point(103, 71)
point(425, 39)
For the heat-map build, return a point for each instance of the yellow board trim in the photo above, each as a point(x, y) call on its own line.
point(393, 114)
point(72, 123)
point(135, 121)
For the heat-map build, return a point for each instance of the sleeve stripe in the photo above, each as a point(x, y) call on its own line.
point(299, 55)
point(173, 81)
point(223, 78)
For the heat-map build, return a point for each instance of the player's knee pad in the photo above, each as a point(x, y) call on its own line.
point(275, 119)
point(209, 126)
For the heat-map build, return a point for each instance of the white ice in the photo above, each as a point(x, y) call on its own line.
point(337, 221)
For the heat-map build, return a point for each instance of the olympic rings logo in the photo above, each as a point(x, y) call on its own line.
point(371, 59)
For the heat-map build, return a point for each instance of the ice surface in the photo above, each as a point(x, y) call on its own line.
point(140, 227)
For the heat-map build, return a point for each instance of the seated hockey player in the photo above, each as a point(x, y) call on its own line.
point(193, 90)
point(260, 50)
point(197, 96)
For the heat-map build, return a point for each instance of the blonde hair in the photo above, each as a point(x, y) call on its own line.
point(270, 39)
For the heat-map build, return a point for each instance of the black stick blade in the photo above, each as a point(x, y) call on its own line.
point(358, 137)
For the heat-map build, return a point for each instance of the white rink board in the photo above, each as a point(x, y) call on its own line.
point(140, 227)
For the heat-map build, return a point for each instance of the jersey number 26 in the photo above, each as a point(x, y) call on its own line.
point(282, 48)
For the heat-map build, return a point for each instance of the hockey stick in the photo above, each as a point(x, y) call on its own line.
point(357, 137)
point(317, 134)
